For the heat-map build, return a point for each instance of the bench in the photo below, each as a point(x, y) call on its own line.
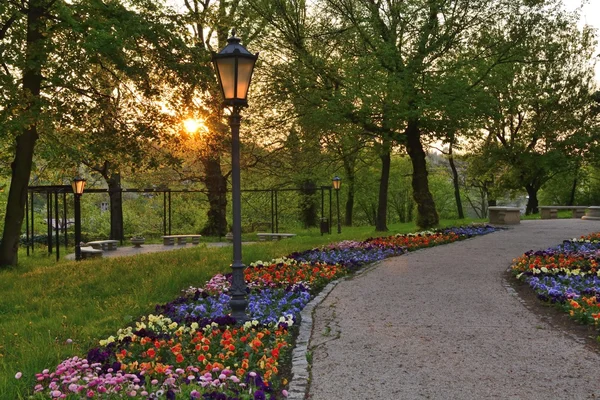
point(505, 215)
point(169, 240)
point(551, 212)
point(90, 252)
point(272, 236)
point(592, 213)
point(103, 244)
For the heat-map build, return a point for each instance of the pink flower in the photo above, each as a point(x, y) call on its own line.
point(284, 393)
point(18, 375)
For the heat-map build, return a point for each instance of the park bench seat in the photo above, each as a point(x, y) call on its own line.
point(592, 213)
point(504, 215)
point(551, 212)
point(90, 252)
point(169, 240)
point(274, 236)
point(103, 244)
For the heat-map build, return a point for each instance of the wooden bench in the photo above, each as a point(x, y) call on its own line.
point(90, 252)
point(274, 236)
point(551, 212)
point(103, 244)
point(169, 240)
point(504, 215)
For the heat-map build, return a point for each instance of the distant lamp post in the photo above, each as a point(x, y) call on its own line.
point(337, 183)
point(78, 186)
point(234, 65)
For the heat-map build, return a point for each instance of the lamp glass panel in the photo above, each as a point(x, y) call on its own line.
point(226, 67)
point(245, 68)
point(78, 186)
point(337, 183)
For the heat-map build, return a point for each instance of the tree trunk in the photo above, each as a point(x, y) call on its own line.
point(384, 183)
point(427, 216)
point(25, 143)
point(216, 186)
point(573, 191)
point(532, 202)
point(350, 179)
point(459, 206)
point(116, 207)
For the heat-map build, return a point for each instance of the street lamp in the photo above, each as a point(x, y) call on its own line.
point(234, 65)
point(337, 182)
point(78, 186)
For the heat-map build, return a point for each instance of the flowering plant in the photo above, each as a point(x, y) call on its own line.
point(191, 348)
point(566, 275)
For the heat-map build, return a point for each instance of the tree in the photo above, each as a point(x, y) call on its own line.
point(539, 124)
point(67, 47)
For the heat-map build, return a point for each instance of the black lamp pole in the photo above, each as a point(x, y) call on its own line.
point(238, 300)
point(78, 186)
point(337, 182)
point(234, 65)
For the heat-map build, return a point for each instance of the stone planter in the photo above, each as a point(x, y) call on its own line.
point(137, 242)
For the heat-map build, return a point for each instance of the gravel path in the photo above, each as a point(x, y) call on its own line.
point(440, 323)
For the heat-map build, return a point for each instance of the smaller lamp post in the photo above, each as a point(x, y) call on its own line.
point(78, 186)
point(337, 183)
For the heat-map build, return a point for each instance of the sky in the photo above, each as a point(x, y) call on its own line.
point(590, 15)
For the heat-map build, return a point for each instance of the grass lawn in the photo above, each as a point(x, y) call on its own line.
point(50, 310)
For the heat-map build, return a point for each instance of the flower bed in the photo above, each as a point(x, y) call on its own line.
point(566, 275)
point(193, 349)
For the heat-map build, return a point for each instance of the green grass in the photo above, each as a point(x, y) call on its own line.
point(43, 302)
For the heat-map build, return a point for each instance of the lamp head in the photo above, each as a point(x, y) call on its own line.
point(234, 65)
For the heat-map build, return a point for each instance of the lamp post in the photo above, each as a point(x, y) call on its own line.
point(337, 182)
point(234, 65)
point(78, 186)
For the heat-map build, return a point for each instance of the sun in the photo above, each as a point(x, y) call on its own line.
point(193, 125)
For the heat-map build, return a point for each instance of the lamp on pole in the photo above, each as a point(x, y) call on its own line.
point(78, 186)
point(337, 183)
point(234, 65)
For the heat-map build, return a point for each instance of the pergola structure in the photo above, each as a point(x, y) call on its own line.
point(56, 213)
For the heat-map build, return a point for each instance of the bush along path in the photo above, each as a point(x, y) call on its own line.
point(566, 275)
point(192, 349)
